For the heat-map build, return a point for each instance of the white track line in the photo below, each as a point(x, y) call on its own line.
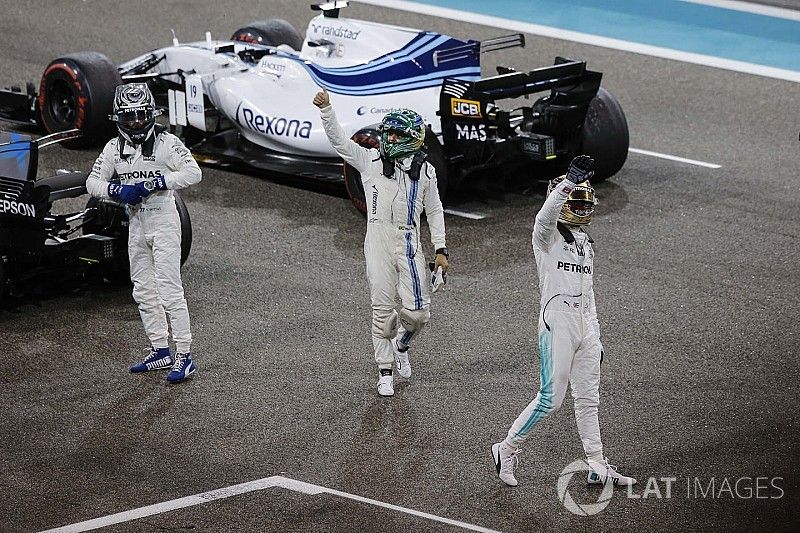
point(587, 38)
point(675, 158)
point(242, 488)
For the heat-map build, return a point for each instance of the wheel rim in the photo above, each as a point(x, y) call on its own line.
point(63, 104)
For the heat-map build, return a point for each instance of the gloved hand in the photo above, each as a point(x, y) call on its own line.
point(580, 169)
point(126, 193)
point(438, 276)
point(438, 280)
point(144, 188)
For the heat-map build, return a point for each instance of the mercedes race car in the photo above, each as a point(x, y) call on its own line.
point(42, 249)
point(247, 101)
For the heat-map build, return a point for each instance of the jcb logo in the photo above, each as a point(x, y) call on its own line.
point(465, 108)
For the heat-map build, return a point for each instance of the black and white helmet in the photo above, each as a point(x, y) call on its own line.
point(134, 112)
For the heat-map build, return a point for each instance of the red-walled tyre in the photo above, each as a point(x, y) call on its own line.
point(77, 91)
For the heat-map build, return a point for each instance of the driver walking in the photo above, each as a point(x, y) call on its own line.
point(140, 168)
point(569, 333)
point(399, 184)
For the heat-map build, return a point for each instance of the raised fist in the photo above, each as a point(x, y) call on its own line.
point(580, 169)
point(321, 99)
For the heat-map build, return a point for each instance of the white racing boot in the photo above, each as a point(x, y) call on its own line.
point(401, 360)
point(386, 382)
point(505, 461)
point(602, 472)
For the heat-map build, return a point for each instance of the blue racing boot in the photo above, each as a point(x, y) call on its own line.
point(157, 359)
point(182, 368)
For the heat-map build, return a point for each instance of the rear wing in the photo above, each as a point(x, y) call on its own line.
point(565, 73)
point(470, 117)
point(473, 49)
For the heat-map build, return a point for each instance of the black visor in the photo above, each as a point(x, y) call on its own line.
point(136, 119)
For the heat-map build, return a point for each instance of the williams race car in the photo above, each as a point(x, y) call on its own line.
point(247, 101)
point(40, 250)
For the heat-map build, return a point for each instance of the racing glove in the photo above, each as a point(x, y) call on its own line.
point(580, 169)
point(125, 193)
point(144, 188)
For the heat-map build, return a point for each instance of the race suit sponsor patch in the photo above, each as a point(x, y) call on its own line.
point(574, 267)
point(141, 175)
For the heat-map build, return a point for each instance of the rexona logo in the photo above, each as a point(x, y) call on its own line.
point(465, 108)
point(280, 126)
point(471, 132)
point(341, 31)
point(17, 208)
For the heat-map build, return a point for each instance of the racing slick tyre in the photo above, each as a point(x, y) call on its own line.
point(369, 137)
point(77, 91)
point(186, 227)
point(605, 135)
point(110, 219)
point(272, 32)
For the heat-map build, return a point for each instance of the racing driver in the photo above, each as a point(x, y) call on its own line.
point(569, 333)
point(400, 184)
point(141, 167)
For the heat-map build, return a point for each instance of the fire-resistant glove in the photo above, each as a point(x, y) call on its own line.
point(580, 169)
point(144, 188)
point(126, 193)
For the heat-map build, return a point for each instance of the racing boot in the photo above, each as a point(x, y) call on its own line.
point(182, 368)
point(505, 461)
point(602, 472)
point(386, 382)
point(157, 359)
point(401, 360)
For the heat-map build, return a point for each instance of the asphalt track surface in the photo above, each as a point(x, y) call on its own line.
point(697, 290)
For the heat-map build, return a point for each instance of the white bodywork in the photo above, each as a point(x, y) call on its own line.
point(356, 61)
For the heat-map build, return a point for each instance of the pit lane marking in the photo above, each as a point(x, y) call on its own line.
point(674, 158)
point(243, 488)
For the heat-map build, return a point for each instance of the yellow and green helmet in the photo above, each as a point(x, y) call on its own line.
point(410, 130)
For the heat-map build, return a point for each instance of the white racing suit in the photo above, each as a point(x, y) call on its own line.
point(395, 261)
point(154, 240)
point(569, 334)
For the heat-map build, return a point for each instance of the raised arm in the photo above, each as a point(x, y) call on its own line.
point(349, 150)
point(580, 169)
